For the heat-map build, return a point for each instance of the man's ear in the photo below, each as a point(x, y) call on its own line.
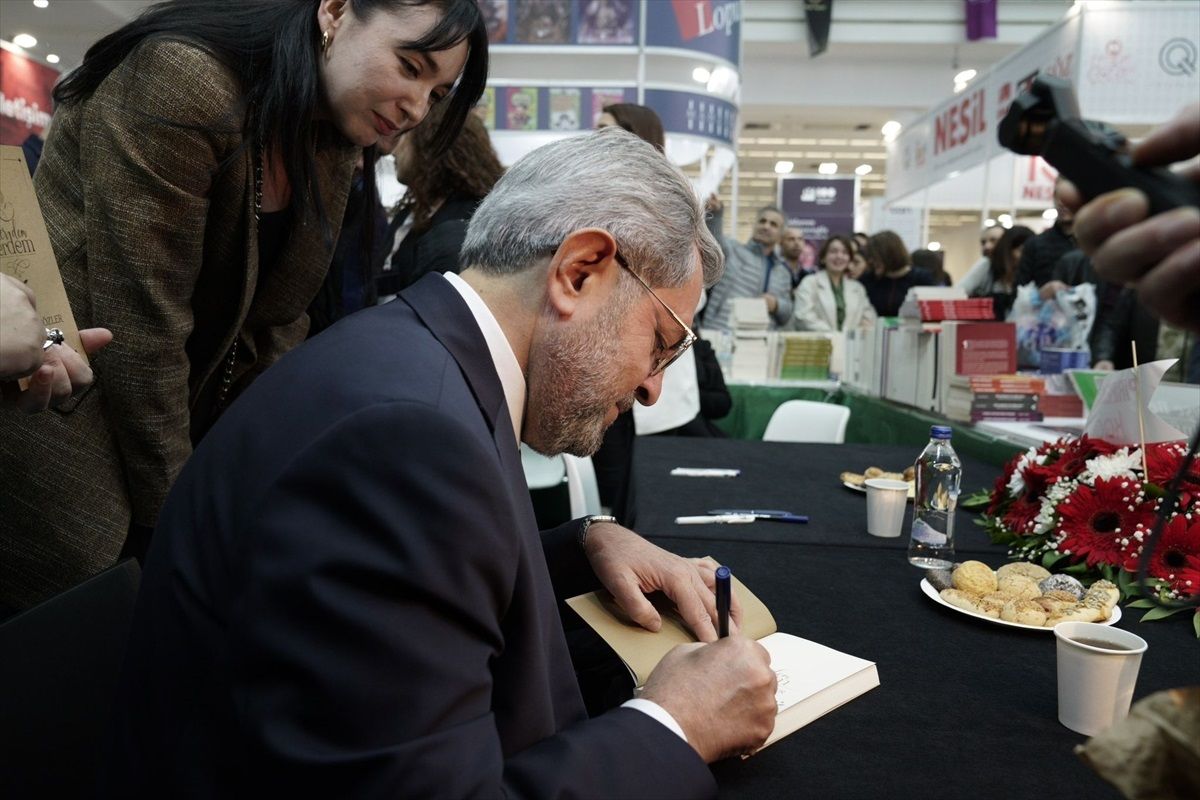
point(583, 270)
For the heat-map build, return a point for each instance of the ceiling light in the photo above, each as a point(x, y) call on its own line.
point(827, 168)
point(41, 3)
point(934, 246)
point(953, 174)
point(701, 75)
point(890, 130)
point(989, 223)
point(722, 81)
point(52, 58)
point(784, 167)
point(1005, 220)
point(24, 40)
point(863, 169)
point(1050, 214)
point(965, 76)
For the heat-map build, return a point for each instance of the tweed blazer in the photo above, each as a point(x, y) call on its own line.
point(148, 191)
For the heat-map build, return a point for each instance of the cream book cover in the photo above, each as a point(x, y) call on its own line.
point(25, 252)
point(812, 679)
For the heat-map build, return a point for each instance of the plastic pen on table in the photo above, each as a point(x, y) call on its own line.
point(724, 596)
point(774, 516)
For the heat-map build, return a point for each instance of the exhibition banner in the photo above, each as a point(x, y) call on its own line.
point(818, 205)
point(694, 114)
point(561, 22)
point(705, 26)
point(542, 108)
point(25, 102)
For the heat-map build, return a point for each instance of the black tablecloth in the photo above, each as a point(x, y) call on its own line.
point(802, 478)
point(965, 708)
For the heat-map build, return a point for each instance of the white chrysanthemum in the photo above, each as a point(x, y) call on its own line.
point(1120, 464)
point(1016, 482)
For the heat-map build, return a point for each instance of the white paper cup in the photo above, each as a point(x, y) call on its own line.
point(886, 503)
point(1095, 684)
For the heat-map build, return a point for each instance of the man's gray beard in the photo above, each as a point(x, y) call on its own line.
point(571, 380)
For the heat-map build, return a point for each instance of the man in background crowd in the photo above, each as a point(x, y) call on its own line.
point(1043, 251)
point(791, 253)
point(749, 269)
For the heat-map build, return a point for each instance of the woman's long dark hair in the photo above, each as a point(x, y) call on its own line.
point(273, 46)
point(1004, 266)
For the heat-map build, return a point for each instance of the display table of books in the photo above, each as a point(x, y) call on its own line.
point(981, 693)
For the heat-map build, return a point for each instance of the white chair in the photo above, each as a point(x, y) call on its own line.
point(582, 489)
point(806, 421)
point(541, 472)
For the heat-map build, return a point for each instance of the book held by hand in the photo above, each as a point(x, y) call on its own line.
point(812, 679)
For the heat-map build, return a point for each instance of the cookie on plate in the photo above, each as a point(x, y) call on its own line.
point(1023, 568)
point(961, 599)
point(975, 577)
point(1025, 612)
point(1021, 586)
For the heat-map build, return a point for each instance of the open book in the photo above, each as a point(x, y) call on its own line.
point(813, 679)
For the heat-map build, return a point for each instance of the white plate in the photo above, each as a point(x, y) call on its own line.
point(912, 489)
point(932, 593)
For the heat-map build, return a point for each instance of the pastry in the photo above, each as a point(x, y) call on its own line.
point(1077, 613)
point(1023, 568)
point(961, 599)
point(975, 577)
point(1025, 612)
point(872, 472)
point(993, 603)
point(1105, 592)
point(1056, 601)
point(1020, 586)
point(910, 474)
point(1062, 583)
point(852, 478)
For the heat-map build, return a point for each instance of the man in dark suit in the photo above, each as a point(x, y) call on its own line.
point(347, 594)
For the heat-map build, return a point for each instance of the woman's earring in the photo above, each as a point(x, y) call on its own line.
point(324, 42)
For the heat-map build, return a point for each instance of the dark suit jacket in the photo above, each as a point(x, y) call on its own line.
point(1039, 255)
point(347, 594)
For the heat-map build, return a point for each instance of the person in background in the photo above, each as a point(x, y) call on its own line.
point(1043, 251)
point(56, 373)
point(641, 121)
point(890, 273)
point(933, 262)
point(193, 185)
point(429, 224)
point(1000, 283)
point(350, 283)
point(976, 283)
point(791, 253)
point(1159, 254)
point(831, 300)
point(751, 269)
point(861, 240)
point(858, 260)
point(1130, 321)
point(32, 149)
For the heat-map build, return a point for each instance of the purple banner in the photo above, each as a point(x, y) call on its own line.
point(561, 22)
point(706, 26)
point(694, 114)
point(820, 207)
point(981, 19)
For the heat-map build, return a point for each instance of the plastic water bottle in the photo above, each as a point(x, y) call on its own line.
point(939, 473)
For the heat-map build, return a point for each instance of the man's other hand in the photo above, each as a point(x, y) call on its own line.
point(630, 568)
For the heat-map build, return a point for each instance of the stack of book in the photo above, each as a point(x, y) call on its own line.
point(801, 356)
point(751, 340)
point(974, 308)
point(995, 398)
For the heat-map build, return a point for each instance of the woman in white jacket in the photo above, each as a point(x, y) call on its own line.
point(831, 300)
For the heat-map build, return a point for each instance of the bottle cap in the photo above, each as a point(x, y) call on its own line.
point(940, 432)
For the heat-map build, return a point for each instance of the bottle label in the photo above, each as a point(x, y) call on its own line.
point(925, 534)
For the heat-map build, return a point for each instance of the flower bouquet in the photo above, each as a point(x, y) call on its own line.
point(1086, 507)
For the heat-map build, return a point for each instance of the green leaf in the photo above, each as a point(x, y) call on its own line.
point(1106, 571)
point(1154, 490)
point(1051, 558)
point(1126, 582)
point(1196, 623)
point(1077, 569)
point(1161, 613)
point(1144, 602)
point(979, 499)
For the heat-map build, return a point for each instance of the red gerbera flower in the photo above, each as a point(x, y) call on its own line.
point(1095, 521)
point(1163, 461)
point(1176, 558)
point(1020, 516)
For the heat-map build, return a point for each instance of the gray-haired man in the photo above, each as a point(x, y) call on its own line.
point(752, 269)
point(347, 593)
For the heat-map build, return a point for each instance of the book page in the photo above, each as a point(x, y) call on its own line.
point(805, 668)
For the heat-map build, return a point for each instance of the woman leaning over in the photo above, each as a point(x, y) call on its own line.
point(193, 184)
point(830, 300)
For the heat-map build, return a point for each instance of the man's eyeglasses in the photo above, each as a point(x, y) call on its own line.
point(665, 355)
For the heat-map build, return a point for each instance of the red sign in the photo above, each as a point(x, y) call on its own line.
point(25, 104)
point(960, 123)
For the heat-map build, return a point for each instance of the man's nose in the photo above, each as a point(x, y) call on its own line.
point(648, 391)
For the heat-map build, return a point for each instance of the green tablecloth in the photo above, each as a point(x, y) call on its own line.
point(872, 420)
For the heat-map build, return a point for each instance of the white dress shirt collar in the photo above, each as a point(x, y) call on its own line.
point(507, 367)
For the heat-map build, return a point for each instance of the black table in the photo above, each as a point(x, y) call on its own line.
point(965, 708)
point(802, 478)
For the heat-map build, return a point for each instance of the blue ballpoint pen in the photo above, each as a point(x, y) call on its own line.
point(774, 516)
point(724, 597)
